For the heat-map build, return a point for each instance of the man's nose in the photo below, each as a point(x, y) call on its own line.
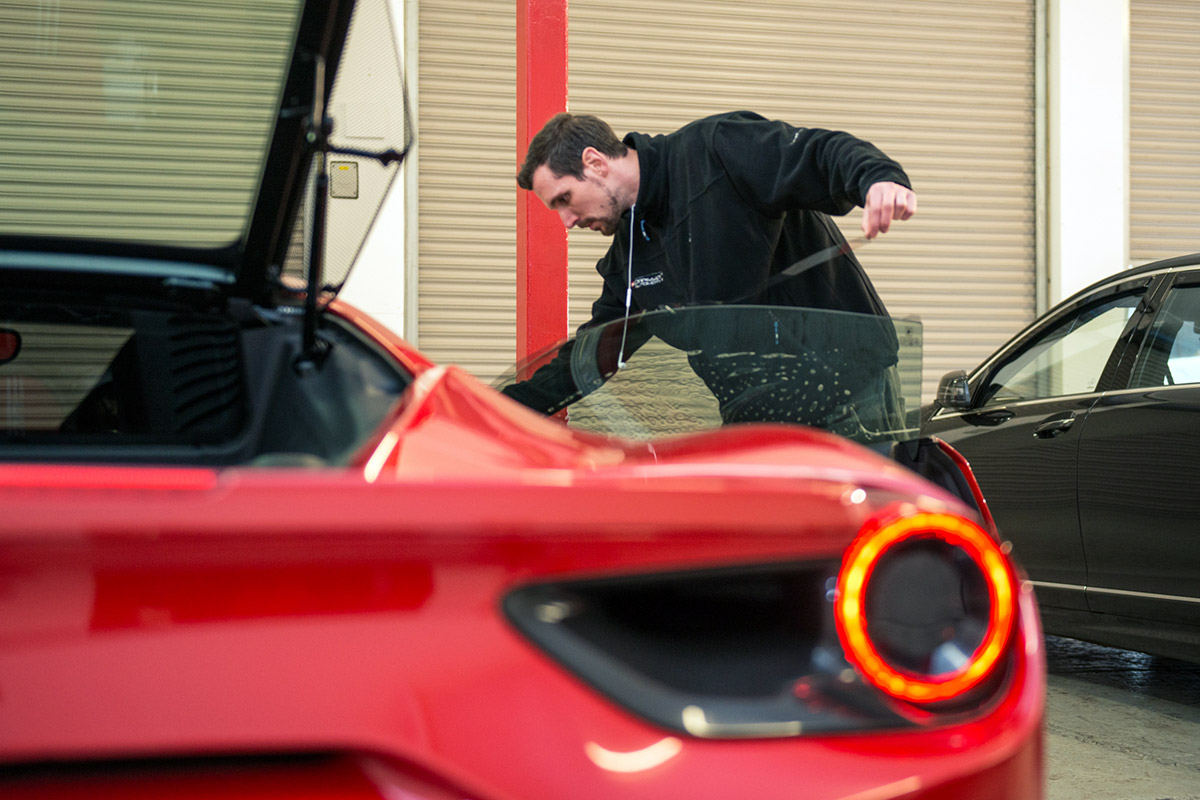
point(568, 219)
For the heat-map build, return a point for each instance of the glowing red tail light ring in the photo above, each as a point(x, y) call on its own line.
point(885, 533)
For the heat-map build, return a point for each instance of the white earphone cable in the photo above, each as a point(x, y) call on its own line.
point(628, 290)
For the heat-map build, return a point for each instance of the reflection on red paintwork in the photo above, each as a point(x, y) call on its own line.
point(127, 598)
point(453, 424)
point(72, 476)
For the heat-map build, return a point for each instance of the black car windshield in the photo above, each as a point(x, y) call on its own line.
point(675, 371)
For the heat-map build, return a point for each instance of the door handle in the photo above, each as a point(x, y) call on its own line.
point(1054, 426)
point(990, 417)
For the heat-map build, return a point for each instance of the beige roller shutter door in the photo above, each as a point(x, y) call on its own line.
point(466, 293)
point(945, 88)
point(948, 89)
point(1164, 100)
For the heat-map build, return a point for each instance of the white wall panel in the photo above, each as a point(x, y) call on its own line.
point(1164, 99)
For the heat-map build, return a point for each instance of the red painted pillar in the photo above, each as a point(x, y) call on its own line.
point(541, 238)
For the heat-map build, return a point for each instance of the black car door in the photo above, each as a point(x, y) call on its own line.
point(1021, 434)
point(1139, 476)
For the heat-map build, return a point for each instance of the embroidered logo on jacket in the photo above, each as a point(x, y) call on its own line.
point(647, 280)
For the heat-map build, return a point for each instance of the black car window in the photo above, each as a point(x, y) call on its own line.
point(1170, 353)
point(1067, 358)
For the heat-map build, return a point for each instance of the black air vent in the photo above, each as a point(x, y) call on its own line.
point(206, 376)
point(180, 377)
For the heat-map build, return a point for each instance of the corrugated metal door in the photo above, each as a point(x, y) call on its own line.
point(1164, 104)
point(467, 247)
point(948, 89)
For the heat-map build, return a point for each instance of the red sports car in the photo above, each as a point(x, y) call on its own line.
point(256, 546)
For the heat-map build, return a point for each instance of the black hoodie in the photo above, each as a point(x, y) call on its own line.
point(730, 200)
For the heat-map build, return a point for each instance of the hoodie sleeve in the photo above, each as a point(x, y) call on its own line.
point(552, 386)
point(775, 166)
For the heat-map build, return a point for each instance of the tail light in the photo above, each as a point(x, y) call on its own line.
point(925, 605)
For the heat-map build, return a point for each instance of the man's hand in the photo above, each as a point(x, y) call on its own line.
point(886, 201)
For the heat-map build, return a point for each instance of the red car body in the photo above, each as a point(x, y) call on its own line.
point(254, 546)
point(338, 633)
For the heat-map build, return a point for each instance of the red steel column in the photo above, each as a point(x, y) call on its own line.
point(541, 238)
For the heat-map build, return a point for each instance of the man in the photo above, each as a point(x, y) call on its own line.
point(715, 212)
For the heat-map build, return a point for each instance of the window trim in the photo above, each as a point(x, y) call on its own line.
point(1116, 369)
point(1158, 295)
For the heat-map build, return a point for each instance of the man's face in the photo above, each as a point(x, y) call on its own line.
point(580, 203)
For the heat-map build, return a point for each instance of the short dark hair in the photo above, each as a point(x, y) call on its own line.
point(561, 142)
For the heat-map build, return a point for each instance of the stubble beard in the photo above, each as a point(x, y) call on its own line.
point(610, 221)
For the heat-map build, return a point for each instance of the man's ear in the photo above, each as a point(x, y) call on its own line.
point(596, 161)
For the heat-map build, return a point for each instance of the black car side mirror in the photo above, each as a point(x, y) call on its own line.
point(954, 391)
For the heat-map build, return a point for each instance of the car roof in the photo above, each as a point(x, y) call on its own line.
point(1151, 267)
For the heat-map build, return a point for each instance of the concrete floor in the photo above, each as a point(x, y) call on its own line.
point(1120, 725)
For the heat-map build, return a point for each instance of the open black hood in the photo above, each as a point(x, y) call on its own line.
point(163, 141)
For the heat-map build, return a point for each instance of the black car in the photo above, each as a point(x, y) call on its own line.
point(1084, 434)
